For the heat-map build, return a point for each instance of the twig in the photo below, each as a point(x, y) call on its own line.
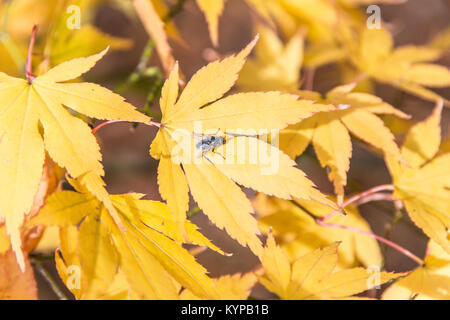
point(379, 238)
point(360, 198)
point(154, 93)
point(29, 62)
point(49, 278)
point(375, 197)
point(309, 79)
point(140, 67)
point(398, 215)
point(42, 257)
point(321, 220)
point(106, 123)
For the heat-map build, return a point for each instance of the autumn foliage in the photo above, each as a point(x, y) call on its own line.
point(229, 143)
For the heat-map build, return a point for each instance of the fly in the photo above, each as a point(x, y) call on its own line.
point(209, 143)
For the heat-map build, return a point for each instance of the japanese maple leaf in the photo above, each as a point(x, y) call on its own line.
point(153, 24)
point(407, 68)
point(212, 182)
point(424, 186)
point(311, 276)
point(298, 232)
point(62, 44)
point(229, 287)
point(275, 66)
point(24, 106)
point(212, 11)
point(428, 281)
point(329, 132)
point(148, 254)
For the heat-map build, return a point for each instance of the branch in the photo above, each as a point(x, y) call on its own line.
point(107, 123)
point(309, 79)
point(379, 238)
point(47, 276)
point(140, 68)
point(29, 62)
point(363, 197)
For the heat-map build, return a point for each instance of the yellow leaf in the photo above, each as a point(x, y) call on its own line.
point(22, 146)
point(333, 147)
point(69, 267)
point(272, 173)
point(149, 259)
point(263, 111)
point(295, 138)
point(344, 95)
point(235, 287)
point(311, 276)
point(375, 46)
point(318, 55)
point(401, 67)
point(275, 66)
point(174, 189)
point(171, 180)
point(318, 15)
point(65, 208)
point(329, 131)
point(410, 53)
point(212, 11)
point(144, 273)
point(155, 28)
point(49, 240)
point(83, 42)
point(98, 257)
point(176, 260)
point(423, 139)
point(298, 233)
point(229, 287)
point(442, 40)
point(156, 215)
point(430, 281)
point(428, 220)
point(177, 143)
point(224, 203)
point(424, 188)
point(371, 129)
point(208, 84)
point(277, 268)
point(169, 92)
point(429, 75)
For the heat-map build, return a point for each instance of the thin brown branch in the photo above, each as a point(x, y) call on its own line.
point(29, 62)
point(360, 198)
point(309, 79)
point(107, 123)
point(379, 238)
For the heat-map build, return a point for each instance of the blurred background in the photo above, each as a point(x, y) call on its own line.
point(129, 168)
